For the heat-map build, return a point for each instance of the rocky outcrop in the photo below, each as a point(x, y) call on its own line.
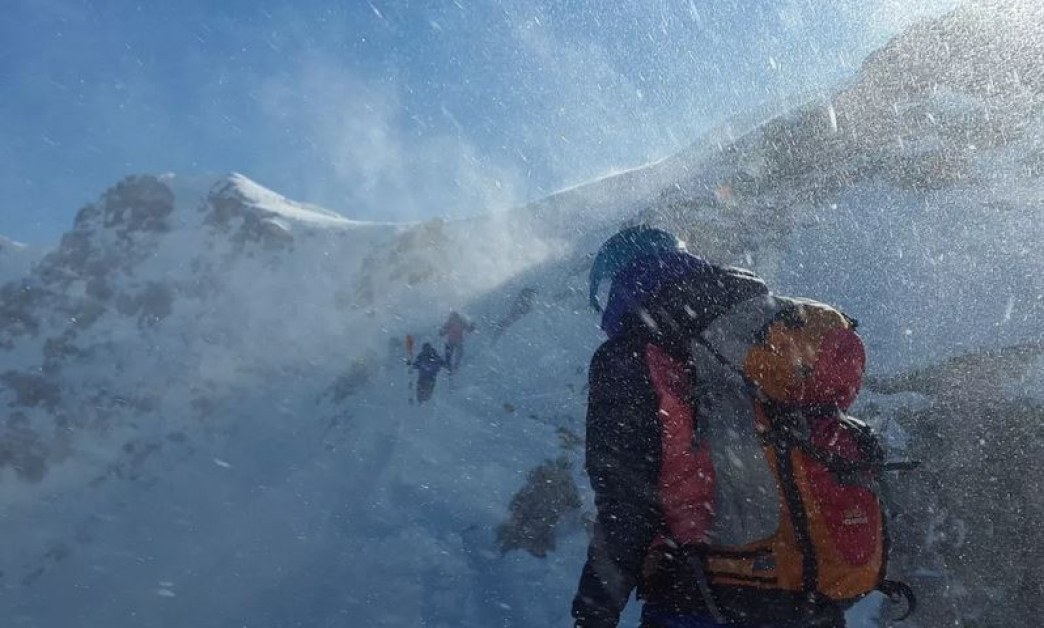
point(16, 259)
point(967, 531)
point(549, 496)
point(358, 375)
point(521, 306)
point(113, 235)
point(31, 390)
point(229, 210)
point(419, 254)
point(138, 204)
point(985, 374)
point(22, 449)
point(18, 315)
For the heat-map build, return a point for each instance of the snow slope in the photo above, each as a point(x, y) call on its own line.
point(196, 367)
point(207, 412)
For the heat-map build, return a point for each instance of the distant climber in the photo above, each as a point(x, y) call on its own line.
point(521, 306)
point(453, 330)
point(427, 364)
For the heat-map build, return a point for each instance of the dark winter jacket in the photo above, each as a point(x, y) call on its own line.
point(623, 461)
point(428, 363)
point(624, 442)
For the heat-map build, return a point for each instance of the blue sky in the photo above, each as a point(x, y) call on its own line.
point(393, 110)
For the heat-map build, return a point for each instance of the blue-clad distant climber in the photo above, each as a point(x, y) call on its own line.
point(427, 364)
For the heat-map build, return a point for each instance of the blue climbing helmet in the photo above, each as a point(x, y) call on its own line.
point(623, 248)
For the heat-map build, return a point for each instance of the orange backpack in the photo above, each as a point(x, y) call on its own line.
point(771, 380)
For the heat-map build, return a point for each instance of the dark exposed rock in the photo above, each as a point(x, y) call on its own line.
point(985, 374)
point(203, 407)
point(70, 258)
point(417, 255)
point(135, 210)
point(1034, 163)
point(156, 304)
point(17, 312)
point(31, 390)
point(99, 288)
point(568, 439)
point(138, 203)
point(177, 437)
point(723, 230)
point(969, 512)
point(229, 211)
point(57, 350)
point(138, 453)
point(926, 171)
point(521, 306)
point(22, 449)
point(549, 495)
point(153, 304)
point(359, 373)
point(86, 314)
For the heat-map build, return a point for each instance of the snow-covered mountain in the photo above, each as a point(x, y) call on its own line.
point(206, 408)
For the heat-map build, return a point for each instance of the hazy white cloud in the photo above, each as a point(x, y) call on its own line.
point(601, 119)
point(362, 158)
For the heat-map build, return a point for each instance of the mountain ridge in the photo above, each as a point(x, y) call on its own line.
point(213, 365)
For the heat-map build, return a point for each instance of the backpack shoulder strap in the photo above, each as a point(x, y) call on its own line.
point(730, 336)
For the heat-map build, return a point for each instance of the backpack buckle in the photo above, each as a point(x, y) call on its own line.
point(897, 592)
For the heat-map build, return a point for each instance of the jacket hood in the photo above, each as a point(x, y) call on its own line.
point(675, 292)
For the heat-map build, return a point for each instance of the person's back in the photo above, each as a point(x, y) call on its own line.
point(454, 327)
point(428, 361)
point(624, 440)
point(453, 330)
point(660, 490)
point(427, 364)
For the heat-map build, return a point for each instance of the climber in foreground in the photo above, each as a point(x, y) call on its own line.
point(730, 485)
point(427, 364)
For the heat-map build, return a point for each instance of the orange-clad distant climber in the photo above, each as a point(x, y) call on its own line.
point(453, 331)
